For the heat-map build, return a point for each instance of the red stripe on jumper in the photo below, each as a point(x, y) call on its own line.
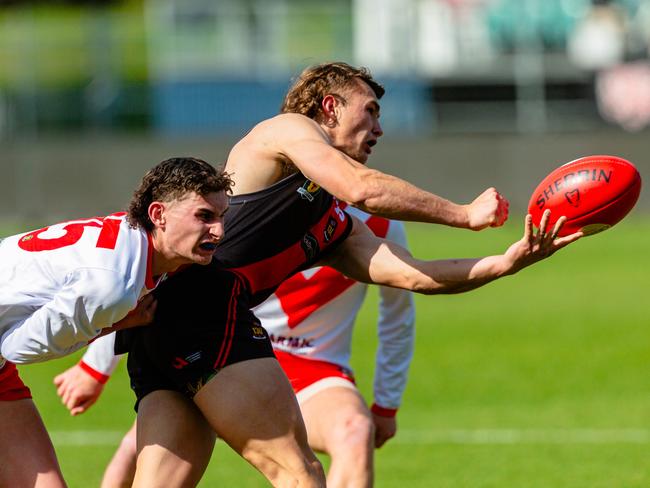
point(378, 225)
point(270, 272)
point(231, 321)
point(301, 296)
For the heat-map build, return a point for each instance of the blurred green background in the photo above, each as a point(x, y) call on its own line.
point(538, 380)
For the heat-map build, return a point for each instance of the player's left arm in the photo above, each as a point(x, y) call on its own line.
point(80, 386)
point(91, 300)
point(396, 331)
point(370, 259)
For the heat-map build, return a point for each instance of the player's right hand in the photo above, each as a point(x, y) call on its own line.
point(142, 314)
point(385, 429)
point(489, 209)
point(77, 389)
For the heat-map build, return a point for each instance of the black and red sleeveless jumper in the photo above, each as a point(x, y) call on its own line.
point(203, 319)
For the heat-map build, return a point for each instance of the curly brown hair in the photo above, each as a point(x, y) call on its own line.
point(315, 82)
point(170, 180)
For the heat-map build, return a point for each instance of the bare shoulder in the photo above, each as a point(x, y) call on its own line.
point(274, 148)
point(277, 131)
point(288, 126)
point(261, 158)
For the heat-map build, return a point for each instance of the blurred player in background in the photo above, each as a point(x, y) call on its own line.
point(64, 285)
point(206, 363)
point(310, 319)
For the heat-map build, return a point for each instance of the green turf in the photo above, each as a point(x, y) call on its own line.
point(552, 355)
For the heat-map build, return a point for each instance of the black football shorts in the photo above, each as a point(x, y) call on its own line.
point(203, 323)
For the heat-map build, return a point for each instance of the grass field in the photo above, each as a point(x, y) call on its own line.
point(538, 380)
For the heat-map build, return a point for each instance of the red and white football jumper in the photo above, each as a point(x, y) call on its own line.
point(61, 285)
point(311, 316)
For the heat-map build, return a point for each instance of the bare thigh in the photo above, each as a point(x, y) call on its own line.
point(174, 441)
point(332, 414)
point(252, 407)
point(28, 458)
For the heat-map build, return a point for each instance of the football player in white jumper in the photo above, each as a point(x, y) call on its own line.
point(64, 285)
point(310, 320)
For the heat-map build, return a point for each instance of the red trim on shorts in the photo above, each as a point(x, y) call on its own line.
point(12, 387)
point(100, 377)
point(303, 372)
point(231, 321)
point(383, 412)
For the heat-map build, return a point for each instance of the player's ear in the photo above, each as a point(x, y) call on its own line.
point(329, 106)
point(157, 214)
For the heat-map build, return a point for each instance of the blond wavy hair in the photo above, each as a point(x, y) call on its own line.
point(315, 82)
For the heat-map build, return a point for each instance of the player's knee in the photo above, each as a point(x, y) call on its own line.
point(361, 426)
point(129, 442)
point(310, 473)
point(293, 467)
point(357, 432)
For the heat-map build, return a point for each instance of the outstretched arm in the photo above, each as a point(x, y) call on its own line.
point(365, 257)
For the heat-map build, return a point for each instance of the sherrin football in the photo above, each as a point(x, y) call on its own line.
point(593, 192)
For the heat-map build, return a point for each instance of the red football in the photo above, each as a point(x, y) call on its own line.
point(594, 193)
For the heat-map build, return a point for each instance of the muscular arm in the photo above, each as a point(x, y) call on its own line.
point(293, 138)
point(365, 257)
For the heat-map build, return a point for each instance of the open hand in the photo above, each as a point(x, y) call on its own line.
point(534, 247)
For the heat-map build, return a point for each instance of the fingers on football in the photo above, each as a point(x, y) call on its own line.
point(543, 224)
point(558, 226)
point(528, 228)
point(560, 242)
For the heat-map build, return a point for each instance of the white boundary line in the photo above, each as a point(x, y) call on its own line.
point(427, 437)
point(87, 437)
point(523, 436)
